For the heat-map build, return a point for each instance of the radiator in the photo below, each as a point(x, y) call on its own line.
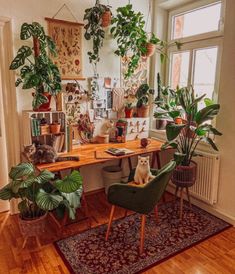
point(206, 185)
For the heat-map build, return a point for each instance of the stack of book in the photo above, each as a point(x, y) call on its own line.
point(35, 127)
point(58, 142)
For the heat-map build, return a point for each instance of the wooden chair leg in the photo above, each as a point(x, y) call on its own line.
point(181, 203)
point(188, 195)
point(142, 233)
point(38, 241)
point(110, 222)
point(156, 213)
point(176, 192)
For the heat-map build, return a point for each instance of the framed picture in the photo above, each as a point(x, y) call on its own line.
point(68, 39)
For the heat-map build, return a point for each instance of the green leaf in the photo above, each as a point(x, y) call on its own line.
point(22, 169)
point(44, 176)
point(47, 201)
point(173, 130)
point(215, 131)
point(169, 144)
point(19, 60)
point(38, 100)
point(51, 45)
point(179, 157)
point(18, 82)
point(26, 31)
point(6, 193)
point(74, 198)
point(70, 183)
point(210, 142)
point(207, 113)
point(31, 80)
point(208, 102)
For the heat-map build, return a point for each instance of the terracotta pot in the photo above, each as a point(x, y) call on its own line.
point(55, 128)
point(178, 120)
point(150, 49)
point(33, 227)
point(185, 176)
point(106, 19)
point(128, 112)
point(161, 124)
point(45, 106)
point(143, 111)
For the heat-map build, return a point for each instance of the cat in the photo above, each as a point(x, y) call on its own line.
point(38, 154)
point(142, 173)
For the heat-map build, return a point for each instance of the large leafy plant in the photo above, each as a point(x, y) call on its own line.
point(94, 30)
point(196, 125)
point(128, 30)
point(143, 94)
point(36, 69)
point(39, 192)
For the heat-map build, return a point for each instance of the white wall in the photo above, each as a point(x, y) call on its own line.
point(34, 10)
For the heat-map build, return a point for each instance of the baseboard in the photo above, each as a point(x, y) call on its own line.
point(209, 208)
point(95, 191)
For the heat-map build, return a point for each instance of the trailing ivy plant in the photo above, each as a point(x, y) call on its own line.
point(132, 39)
point(94, 30)
point(36, 69)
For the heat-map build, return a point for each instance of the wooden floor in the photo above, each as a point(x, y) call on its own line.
point(216, 255)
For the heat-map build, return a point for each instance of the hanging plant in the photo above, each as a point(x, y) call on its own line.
point(129, 31)
point(98, 17)
point(37, 71)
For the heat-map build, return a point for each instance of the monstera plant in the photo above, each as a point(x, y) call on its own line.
point(36, 70)
point(39, 192)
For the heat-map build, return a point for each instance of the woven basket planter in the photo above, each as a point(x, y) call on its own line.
point(185, 176)
point(33, 227)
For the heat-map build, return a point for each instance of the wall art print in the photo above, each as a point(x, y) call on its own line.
point(68, 39)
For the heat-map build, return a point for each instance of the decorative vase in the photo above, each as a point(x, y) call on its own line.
point(161, 124)
point(33, 227)
point(128, 112)
point(106, 19)
point(143, 111)
point(185, 176)
point(45, 106)
point(55, 128)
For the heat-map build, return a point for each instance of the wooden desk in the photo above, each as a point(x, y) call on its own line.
point(87, 154)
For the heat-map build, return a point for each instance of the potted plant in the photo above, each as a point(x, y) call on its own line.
point(39, 193)
point(35, 67)
point(128, 28)
point(199, 123)
point(167, 106)
point(55, 127)
point(142, 95)
point(97, 17)
point(128, 110)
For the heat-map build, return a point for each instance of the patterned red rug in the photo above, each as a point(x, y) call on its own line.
point(89, 253)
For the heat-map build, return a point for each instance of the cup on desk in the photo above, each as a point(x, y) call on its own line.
point(144, 142)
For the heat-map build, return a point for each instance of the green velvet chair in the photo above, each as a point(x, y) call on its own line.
point(141, 199)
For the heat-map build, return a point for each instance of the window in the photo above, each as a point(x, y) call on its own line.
point(196, 63)
point(202, 20)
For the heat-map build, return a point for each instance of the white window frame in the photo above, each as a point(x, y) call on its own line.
point(192, 43)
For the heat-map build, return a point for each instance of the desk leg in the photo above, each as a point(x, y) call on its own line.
point(153, 159)
point(130, 164)
point(158, 159)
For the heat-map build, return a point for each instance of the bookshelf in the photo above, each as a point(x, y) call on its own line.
point(34, 130)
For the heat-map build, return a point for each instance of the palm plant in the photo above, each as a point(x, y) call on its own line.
point(40, 193)
point(37, 71)
point(196, 126)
